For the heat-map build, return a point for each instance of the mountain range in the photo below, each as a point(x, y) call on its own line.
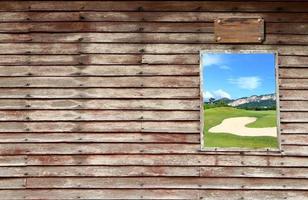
point(260, 101)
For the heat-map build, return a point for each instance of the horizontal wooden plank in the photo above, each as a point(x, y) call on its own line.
point(154, 6)
point(297, 75)
point(143, 93)
point(294, 139)
point(293, 94)
point(102, 82)
point(295, 149)
point(112, 44)
point(189, 38)
point(253, 172)
point(144, 16)
point(121, 126)
point(69, 59)
point(101, 137)
point(74, 148)
point(94, 70)
point(170, 160)
point(297, 105)
point(60, 27)
point(77, 104)
point(300, 61)
point(118, 148)
point(95, 115)
point(175, 194)
point(100, 104)
point(18, 160)
point(96, 148)
point(293, 83)
point(100, 171)
point(193, 183)
point(152, 171)
point(12, 183)
point(199, 27)
point(294, 116)
point(295, 127)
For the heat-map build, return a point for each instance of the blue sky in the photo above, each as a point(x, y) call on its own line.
point(236, 75)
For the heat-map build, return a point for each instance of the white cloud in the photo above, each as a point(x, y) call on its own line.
point(217, 94)
point(212, 59)
point(207, 95)
point(221, 94)
point(246, 82)
point(224, 67)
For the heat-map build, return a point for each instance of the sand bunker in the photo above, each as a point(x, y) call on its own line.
point(236, 126)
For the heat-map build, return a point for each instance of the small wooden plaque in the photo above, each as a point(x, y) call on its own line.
point(239, 30)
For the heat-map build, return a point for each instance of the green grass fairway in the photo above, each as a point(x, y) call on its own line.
point(214, 116)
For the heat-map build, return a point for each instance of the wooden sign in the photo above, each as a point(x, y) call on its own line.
point(239, 30)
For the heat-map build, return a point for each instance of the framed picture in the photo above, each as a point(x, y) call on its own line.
point(239, 100)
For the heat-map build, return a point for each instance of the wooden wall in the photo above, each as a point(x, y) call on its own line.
point(100, 100)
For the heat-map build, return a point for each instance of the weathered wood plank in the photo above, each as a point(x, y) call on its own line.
point(101, 137)
point(12, 183)
point(154, 6)
point(144, 16)
point(295, 127)
point(112, 44)
point(175, 194)
point(300, 61)
point(96, 148)
point(297, 105)
point(118, 148)
point(299, 73)
point(60, 27)
point(298, 139)
point(174, 160)
point(293, 94)
point(152, 171)
point(143, 93)
point(101, 194)
point(294, 83)
point(100, 104)
point(69, 59)
point(94, 70)
point(253, 172)
point(199, 27)
point(102, 82)
point(18, 160)
point(101, 171)
point(38, 48)
point(189, 38)
point(95, 115)
point(168, 127)
point(193, 183)
point(294, 116)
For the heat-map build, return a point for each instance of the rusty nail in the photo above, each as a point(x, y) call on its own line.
point(259, 38)
point(260, 20)
point(218, 38)
point(218, 21)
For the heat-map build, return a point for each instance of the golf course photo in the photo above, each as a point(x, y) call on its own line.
point(239, 100)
